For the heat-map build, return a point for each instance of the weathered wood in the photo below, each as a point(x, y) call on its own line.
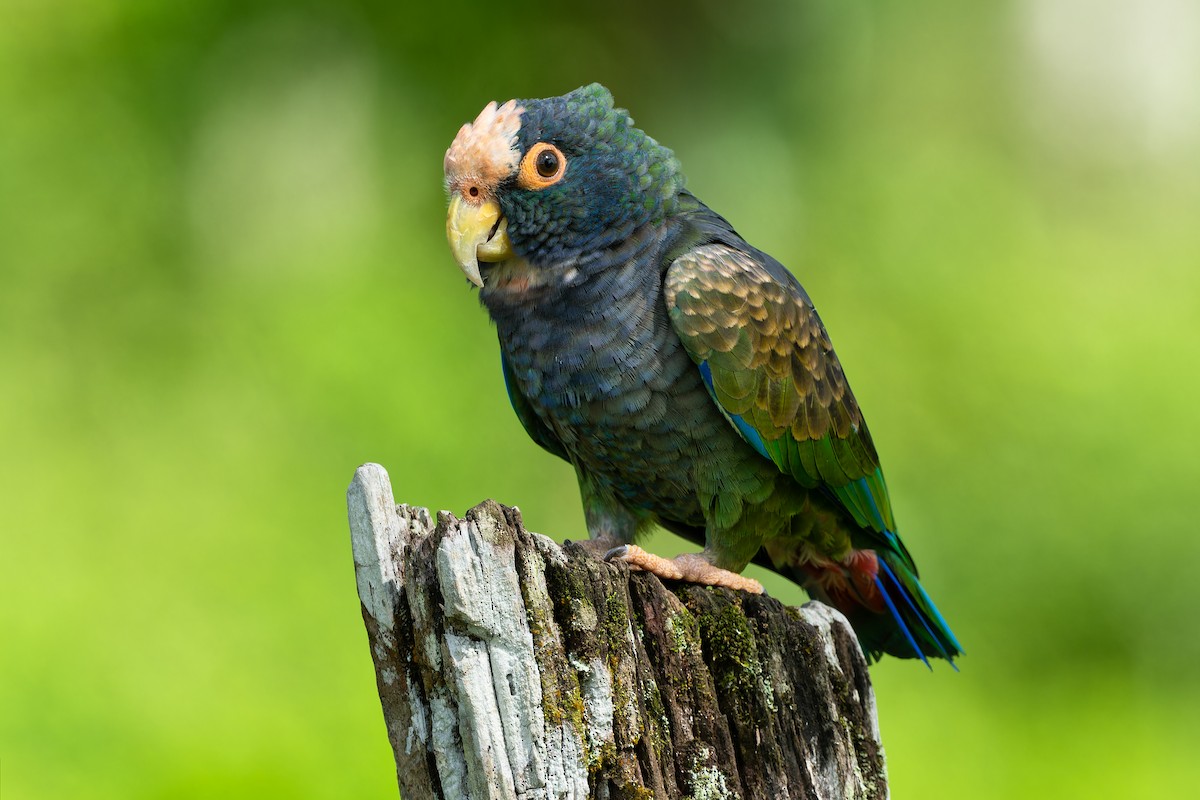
point(511, 667)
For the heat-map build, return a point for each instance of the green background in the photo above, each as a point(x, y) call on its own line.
point(224, 284)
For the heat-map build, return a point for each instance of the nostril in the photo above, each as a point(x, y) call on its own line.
point(473, 191)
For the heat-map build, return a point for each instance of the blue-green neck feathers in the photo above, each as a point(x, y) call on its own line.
point(617, 179)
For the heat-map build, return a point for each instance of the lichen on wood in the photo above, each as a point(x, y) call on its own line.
point(511, 667)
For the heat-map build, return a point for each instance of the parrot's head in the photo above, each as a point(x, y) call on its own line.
point(552, 181)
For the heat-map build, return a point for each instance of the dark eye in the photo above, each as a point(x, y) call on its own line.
point(543, 165)
point(547, 163)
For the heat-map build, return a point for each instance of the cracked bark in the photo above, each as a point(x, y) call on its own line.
point(511, 667)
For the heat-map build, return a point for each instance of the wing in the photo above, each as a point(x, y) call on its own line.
point(537, 430)
point(770, 367)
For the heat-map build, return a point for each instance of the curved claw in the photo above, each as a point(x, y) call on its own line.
point(617, 553)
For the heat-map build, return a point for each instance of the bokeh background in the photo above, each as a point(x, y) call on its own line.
point(224, 284)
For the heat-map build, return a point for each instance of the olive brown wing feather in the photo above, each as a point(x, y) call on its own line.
point(770, 367)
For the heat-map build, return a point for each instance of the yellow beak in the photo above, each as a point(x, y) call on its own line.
point(476, 233)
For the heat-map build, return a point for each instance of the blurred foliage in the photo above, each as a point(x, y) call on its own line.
point(224, 284)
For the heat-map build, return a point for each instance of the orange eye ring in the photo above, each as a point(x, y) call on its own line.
point(544, 165)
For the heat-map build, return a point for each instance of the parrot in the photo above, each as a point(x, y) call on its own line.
point(683, 373)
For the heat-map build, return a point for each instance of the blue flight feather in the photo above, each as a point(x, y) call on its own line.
point(748, 433)
point(866, 488)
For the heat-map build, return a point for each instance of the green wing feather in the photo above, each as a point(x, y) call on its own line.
point(749, 325)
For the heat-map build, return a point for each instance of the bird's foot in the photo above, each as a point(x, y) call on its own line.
point(690, 567)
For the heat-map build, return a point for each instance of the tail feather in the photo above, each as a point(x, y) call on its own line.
point(896, 615)
point(913, 627)
point(891, 612)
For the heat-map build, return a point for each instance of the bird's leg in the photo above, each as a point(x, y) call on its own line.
point(612, 528)
point(609, 524)
point(690, 567)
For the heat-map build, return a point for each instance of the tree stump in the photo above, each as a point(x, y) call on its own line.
point(511, 667)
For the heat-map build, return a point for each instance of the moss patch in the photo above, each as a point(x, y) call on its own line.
point(731, 650)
